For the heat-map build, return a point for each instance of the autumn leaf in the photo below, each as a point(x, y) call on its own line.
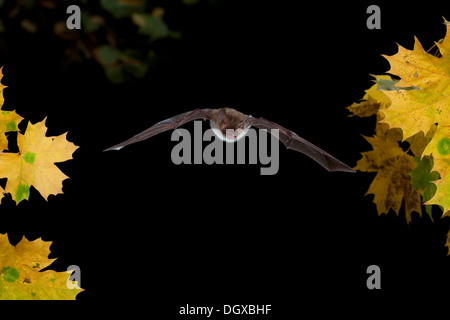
point(9, 120)
point(393, 165)
point(413, 110)
point(35, 163)
point(392, 183)
point(417, 110)
point(21, 277)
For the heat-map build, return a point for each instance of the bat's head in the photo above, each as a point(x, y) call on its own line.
point(229, 125)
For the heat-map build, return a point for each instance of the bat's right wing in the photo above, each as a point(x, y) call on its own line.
point(168, 124)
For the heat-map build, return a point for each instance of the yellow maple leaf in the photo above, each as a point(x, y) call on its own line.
point(35, 163)
point(392, 183)
point(417, 110)
point(21, 277)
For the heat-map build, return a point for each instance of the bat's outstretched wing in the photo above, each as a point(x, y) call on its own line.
point(292, 141)
point(168, 124)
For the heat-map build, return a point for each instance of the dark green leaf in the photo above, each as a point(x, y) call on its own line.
point(152, 26)
point(119, 9)
point(108, 54)
point(421, 176)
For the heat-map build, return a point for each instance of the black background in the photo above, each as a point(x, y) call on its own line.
point(150, 236)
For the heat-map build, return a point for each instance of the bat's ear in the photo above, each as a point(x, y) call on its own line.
point(222, 119)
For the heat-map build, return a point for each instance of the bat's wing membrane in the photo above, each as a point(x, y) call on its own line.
point(165, 125)
point(292, 141)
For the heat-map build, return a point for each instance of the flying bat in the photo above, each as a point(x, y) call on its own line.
point(228, 118)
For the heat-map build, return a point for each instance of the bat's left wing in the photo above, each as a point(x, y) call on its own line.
point(292, 141)
point(168, 124)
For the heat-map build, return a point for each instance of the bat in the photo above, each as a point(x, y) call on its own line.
point(228, 118)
